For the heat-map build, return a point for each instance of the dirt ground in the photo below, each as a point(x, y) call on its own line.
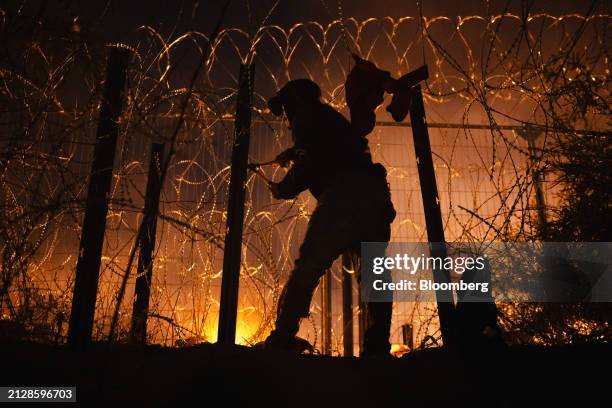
point(210, 375)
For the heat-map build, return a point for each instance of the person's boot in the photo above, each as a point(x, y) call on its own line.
point(295, 344)
point(378, 329)
point(293, 305)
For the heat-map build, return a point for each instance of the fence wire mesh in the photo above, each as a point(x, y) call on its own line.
point(479, 74)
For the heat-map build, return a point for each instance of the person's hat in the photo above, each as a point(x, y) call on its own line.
point(296, 90)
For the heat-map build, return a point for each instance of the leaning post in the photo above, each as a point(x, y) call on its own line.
point(433, 214)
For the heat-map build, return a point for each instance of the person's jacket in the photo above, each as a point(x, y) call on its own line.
point(324, 145)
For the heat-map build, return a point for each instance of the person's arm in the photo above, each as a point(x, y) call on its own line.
point(296, 179)
point(285, 157)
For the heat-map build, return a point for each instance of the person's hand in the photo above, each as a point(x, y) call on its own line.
point(284, 159)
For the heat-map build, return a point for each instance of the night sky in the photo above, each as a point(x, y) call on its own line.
point(116, 20)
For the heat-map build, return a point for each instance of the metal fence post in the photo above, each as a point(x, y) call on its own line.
point(347, 305)
point(326, 311)
point(94, 220)
point(235, 208)
point(361, 323)
point(140, 307)
point(433, 214)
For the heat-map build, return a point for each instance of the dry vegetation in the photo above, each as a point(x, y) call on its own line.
point(545, 72)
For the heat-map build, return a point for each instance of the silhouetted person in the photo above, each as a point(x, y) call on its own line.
point(476, 314)
point(365, 89)
point(333, 161)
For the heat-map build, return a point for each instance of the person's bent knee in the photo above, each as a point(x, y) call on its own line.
point(305, 276)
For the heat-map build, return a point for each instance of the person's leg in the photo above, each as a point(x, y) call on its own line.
point(378, 329)
point(377, 313)
point(355, 210)
point(378, 310)
point(332, 228)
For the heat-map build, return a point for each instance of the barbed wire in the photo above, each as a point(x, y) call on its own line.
point(551, 72)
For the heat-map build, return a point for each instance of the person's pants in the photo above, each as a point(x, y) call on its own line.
point(356, 208)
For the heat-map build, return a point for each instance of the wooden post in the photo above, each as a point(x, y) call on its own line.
point(235, 208)
point(347, 305)
point(433, 214)
point(326, 311)
point(140, 307)
point(94, 221)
